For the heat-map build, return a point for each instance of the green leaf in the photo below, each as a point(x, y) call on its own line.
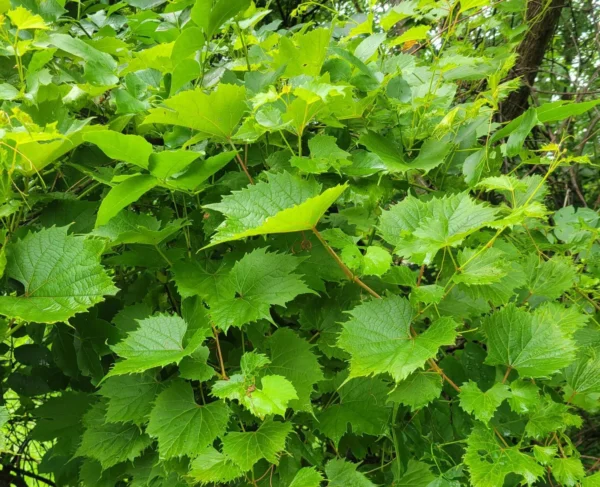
point(200, 171)
point(128, 227)
point(212, 17)
point(129, 148)
point(489, 462)
point(548, 417)
point(214, 115)
point(419, 229)
point(181, 426)
point(164, 165)
point(418, 474)
point(416, 33)
point(110, 443)
point(195, 366)
point(567, 471)
point(23, 19)
point(362, 409)
point(343, 474)
point(481, 266)
point(517, 137)
point(258, 281)
point(158, 341)
point(60, 273)
point(122, 195)
point(292, 358)
point(417, 390)
point(190, 41)
point(283, 204)
point(433, 152)
point(387, 150)
point(480, 404)
point(304, 53)
point(526, 342)
point(307, 477)
point(247, 448)
point(271, 397)
point(99, 67)
point(524, 396)
point(210, 466)
point(549, 278)
point(130, 397)
point(379, 339)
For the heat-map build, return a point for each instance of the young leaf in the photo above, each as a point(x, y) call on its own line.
point(60, 273)
point(181, 426)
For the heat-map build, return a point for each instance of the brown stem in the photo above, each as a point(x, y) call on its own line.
point(242, 164)
point(571, 397)
point(349, 274)
point(219, 354)
point(421, 271)
point(437, 368)
point(507, 374)
point(501, 438)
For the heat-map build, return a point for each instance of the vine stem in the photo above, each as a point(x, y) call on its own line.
point(241, 163)
point(352, 277)
point(508, 370)
point(349, 274)
point(219, 354)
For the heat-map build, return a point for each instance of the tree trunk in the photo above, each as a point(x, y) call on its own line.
point(542, 19)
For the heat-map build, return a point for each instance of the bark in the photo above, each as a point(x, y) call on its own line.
point(542, 19)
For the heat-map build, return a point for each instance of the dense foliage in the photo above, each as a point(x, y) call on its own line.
point(296, 246)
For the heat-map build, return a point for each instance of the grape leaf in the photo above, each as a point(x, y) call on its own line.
point(157, 342)
point(481, 404)
point(526, 342)
point(489, 463)
point(419, 229)
point(257, 281)
point(122, 195)
point(110, 443)
point(292, 358)
point(61, 275)
point(210, 466)
point(307, 477)
point(379, 339)
point(181, 426)
point(417, 390)
point(247, 448)
point(129, 148)
point(130, 397)
point(214, 115)
point(567, 471)
point(343, 474)
point(281, 205)
point(362, 408)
